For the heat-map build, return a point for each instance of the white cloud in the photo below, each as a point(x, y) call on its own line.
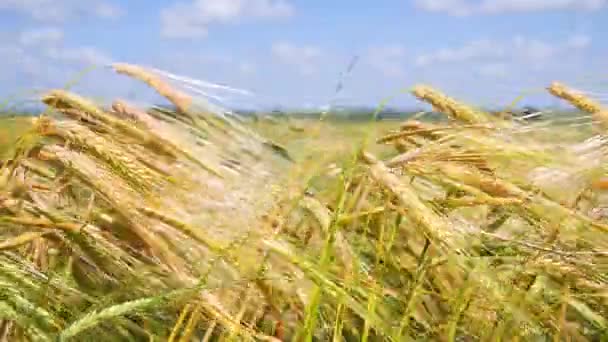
point(389, 59)
point(191, 20)
point(493, 70)
point(487, 7)
point(18, 61)
point(513, 6)
point(579, 41)
point(41, 36)
point(78, 55)
point(538, 51)
point(12, 56)
point(61, 10)
point(304, 58)
point(474, 50)
point(451, 7)
point(47, 42)
point(518, 49)
point(534, 50)
point(207, 60)
point(43, 57)
point(247, 68)
point(108, 10)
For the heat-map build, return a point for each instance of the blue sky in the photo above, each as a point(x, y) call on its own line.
point(291, 52)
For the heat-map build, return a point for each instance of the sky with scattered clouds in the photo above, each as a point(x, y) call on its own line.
point(294, 52)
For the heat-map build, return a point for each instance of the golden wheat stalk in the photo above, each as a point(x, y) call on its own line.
point(434, 226)
point(181, 101)
point(118, 160)
point(580, 101)
point(447, 105)
point(133, 113)
point(575, 98)
point(62, 100)
point(66, 101)
point(118, 196)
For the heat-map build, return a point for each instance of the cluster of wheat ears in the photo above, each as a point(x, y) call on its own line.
point(127, 224)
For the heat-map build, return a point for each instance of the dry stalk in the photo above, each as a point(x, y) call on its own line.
point(180, 100)
point(63, 100)
point(124, 164)
point(449, 106)
point(126, 110)
point(580, 101)
point(435, 227)
point(577, 99)
point(490, 184)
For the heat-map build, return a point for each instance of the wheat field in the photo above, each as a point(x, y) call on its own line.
point(120, 223)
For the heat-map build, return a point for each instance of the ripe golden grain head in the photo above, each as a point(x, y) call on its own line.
point(113, 155)
point(65, 101)
point(180, 100)
point(128, 111)
point(448, 105)
point(577, 99)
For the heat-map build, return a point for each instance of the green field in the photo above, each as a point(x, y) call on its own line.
point(10, 130)
point(125, 225)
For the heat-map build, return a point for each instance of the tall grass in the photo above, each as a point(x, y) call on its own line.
point(125, 224)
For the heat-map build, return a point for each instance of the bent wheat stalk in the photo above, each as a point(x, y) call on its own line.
point(180, 100)
point(449, 106)
point(580, 101)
